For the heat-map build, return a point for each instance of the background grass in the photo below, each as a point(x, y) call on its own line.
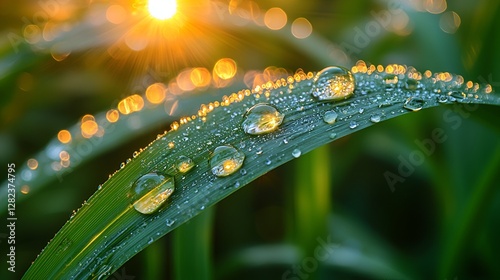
point(442, 221)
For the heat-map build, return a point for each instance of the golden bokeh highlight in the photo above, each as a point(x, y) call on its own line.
point(25, 189)
point(130, 104)
point(155, 93)
point(116, 14)
point(32, 164)
point(112, 115)
point(64, 136)
point(58, 55)
point(64, 155)
point(174, 89)
point(89, 127)
point(450, 22)
point(32, 34)
point(200, 77)
point(88, 117)
point(184, 81)
point(136, 42)
point(225, 68)
point(301, 28)
point(435, 6)
point(275, 18)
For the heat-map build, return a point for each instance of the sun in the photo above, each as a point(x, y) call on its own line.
point(162, 9)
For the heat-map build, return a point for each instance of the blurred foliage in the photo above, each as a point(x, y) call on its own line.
point(441, 222)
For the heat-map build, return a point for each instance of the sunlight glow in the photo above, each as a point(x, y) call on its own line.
point(162, 9)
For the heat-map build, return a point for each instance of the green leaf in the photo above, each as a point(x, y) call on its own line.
point(107, 230)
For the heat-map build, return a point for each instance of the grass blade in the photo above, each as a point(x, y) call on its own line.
point(107, 231)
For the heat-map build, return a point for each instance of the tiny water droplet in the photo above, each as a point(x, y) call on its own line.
point(333, 83)
point(103, 272)
point(390, 81)
point(361, 110)
point(150, 240)
point(226, 160)
point(268, 161)
point(414, 103)
point(243, 171)
point(122, 165)
point(296, 153)
point(184, 164)
point(442, 99)
point(330, 117)
point(285, 141)
point(63, 246)
point(262, 118)
point(333, 135)
point(135, 154)
point(169, 222)
point(151, 191)
point(375, 118)
point(353, 124)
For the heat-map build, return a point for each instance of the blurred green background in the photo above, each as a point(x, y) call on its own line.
point(441, 222)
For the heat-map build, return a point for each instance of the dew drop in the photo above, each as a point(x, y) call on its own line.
point(333, 135)
point(226, 160)
point(169, 222)
point(330, 117)
point(390, 81)
point(333, 83)
point(262, 118)
point(375, 118)
point(442, 99)
point(353, 124)
point(411, 84)
point(457, 95)
point(184, 164)
point(296, 153)
point(103, 272)
point(63, 246)
point(151, 191)
point(414, 104)
point(243, 172)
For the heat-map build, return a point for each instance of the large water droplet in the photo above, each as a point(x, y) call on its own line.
point(414, 104)
point(261, 118)
point(151, 191)
point(226, 160)
point(333, 83)
point(184, 164)
point(330, 117)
